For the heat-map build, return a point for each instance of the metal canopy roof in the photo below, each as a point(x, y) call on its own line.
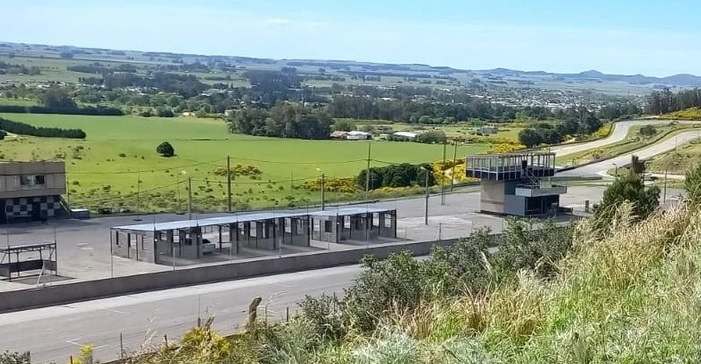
point(345, 211)
point(225, 220)
point(213, 221)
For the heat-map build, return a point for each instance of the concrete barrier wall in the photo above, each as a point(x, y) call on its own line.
point(89, 290)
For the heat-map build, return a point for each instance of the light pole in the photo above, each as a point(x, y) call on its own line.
point(323, 187)
point(427, 195)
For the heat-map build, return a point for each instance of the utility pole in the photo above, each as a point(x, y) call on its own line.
point(189, 198)
point(323, 187)
point(138, 197)
point(180, 200)
point(426, 211)
point(68, 193)
point(664, 194)
point(452, 172)
point(445, 144)
point(367, 176)
point(228, 181)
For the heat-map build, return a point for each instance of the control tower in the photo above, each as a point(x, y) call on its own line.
point(514, 184)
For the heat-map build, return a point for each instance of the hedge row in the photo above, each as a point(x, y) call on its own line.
point(26, 129)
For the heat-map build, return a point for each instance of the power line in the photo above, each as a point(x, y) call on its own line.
point(146, 170)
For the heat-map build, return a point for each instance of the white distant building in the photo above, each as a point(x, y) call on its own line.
point(358, 135)
point(488, 130)
point(405, 135)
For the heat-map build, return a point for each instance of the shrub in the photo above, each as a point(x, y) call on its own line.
point(692, 184)
point(647, 131)
point(629, 188)
point(165, 149)
point(432, 137)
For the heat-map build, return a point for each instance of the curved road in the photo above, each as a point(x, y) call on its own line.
point(663, 146)
point(620, 130)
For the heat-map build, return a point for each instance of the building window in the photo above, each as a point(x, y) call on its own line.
point(327, 226)
point(32, 180)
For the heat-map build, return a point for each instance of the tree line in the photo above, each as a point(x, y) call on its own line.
point(283, 121)
point(26, 129)
point(665, 101)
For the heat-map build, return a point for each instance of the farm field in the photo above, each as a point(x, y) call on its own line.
point(117, 165)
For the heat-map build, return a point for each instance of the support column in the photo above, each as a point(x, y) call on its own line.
point(220, 238)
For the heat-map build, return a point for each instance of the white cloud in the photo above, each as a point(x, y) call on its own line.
point(277, 21)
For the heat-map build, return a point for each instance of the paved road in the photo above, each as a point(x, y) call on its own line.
point(55, 333)
point(600, 168)
point(620, 130)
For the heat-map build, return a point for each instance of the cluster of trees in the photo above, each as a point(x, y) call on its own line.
point(99, 68)
point(665, 101)
point(577, 122)
point(619, 111)
point(397, 175)
point(26, 129)
point(283, 120)
point(16, 69)
point(59, 101)
point(272, 86)
point(409, 111)
point(184, 85)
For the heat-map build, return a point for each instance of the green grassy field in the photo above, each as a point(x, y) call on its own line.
point(105, 169)
point(678, 161)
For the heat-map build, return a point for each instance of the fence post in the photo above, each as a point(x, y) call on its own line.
point(287, 314)
point(71, 359)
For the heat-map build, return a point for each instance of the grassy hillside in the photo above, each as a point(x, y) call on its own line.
point(105, 169)
point(628, 296)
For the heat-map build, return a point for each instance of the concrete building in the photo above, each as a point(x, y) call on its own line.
point(512, 184)
point(353, 223)
point(32, 190)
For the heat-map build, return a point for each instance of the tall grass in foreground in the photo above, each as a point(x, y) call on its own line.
point(633, 296)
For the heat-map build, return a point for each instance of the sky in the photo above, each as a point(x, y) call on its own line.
point(651, 37)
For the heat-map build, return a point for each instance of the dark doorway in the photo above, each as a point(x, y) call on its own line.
point(36, 211)
point(3, 212)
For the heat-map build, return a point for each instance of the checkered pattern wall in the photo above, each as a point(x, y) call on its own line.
point(24, 207)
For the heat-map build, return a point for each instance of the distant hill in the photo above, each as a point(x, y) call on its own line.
point(680, 80)
point(417, 70)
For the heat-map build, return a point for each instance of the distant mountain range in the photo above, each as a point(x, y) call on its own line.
point(497, 75)
point(680, 80)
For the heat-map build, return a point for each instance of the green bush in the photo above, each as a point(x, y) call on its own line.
point(165, 149)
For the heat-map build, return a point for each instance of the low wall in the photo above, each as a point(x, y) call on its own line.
point(88, 290)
